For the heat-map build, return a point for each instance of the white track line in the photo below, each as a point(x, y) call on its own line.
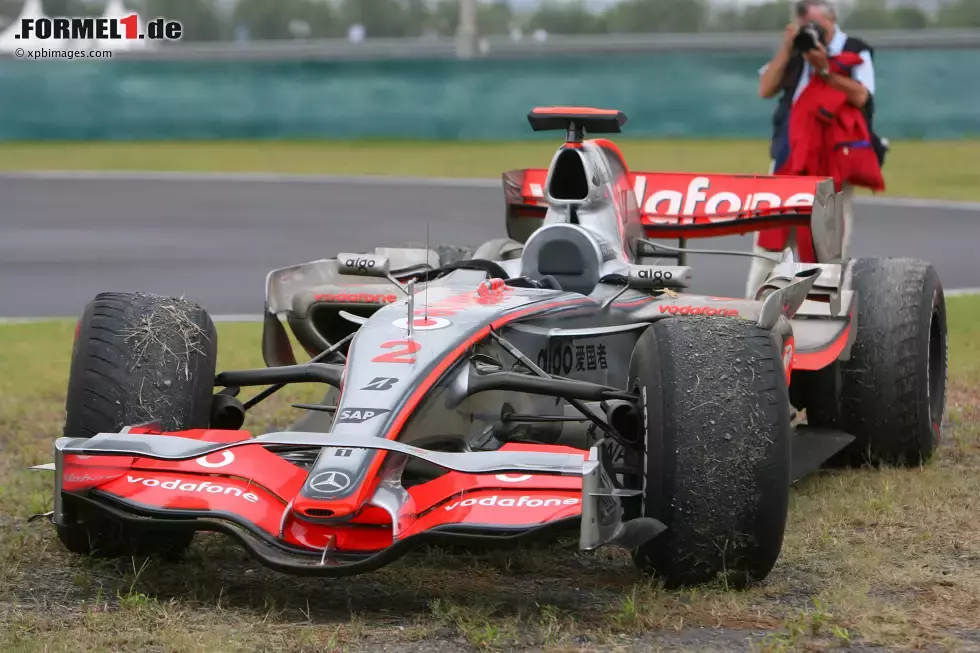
point(214, 318)
point(962, 292)
point(250, 177)
point(918, 203)
point(378, 180)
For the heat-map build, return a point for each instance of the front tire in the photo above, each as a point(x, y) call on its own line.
point(137, 358)
point(716, 417)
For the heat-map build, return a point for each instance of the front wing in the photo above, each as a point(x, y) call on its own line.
point(231, 482)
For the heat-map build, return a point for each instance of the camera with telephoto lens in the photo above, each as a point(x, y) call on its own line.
point(808, 37)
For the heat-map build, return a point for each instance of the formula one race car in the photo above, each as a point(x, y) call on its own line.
point(559, 378)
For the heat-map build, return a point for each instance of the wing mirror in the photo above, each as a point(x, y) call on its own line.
point(363, 265)
point(648, 277)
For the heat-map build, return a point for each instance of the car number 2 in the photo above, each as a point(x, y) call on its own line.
point(400, 355)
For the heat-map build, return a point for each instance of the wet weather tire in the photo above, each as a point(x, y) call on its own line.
point(137, 358)
point(891, 394)
point(716, 417)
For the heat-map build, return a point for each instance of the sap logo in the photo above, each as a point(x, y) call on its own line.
point(204, 486)
point(522, 502)
point(359, 415)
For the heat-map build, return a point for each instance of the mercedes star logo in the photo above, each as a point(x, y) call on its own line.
point(330, 482)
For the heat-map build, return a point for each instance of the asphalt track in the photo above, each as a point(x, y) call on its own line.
point(66, 237)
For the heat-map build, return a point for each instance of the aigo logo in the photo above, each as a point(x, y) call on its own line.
point(360, 264)
point(653, 274)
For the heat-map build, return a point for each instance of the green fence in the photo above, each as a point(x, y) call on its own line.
point(929, 94)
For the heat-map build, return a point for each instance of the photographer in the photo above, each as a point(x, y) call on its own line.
point(814, 47)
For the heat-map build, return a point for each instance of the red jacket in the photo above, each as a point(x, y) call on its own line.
point(827, 138)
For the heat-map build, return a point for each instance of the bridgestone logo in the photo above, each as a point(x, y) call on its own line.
point(204, 486)
point(699, 310)
point(522, 502)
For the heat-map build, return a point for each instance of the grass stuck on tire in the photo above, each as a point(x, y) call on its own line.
point(717, 419)
point(891, 393)
point(871, 557)
point(137, 358)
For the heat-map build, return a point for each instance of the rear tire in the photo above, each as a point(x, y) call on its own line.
point(717, 425)
point(137, 358)
point(891, 394)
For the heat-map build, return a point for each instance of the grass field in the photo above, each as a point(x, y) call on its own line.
point(940, 170)
point(872, 557)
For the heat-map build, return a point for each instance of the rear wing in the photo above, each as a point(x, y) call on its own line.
point(690, 205)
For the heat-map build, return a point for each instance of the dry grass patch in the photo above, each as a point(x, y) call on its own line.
point(872, 557)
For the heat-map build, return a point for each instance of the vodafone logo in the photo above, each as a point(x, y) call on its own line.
point(89, 478)
point(215, 460)
point(206, 487)
point(674, 199)
point(355, 298)
point(698, 310)
point(507, 478)
point(510, 502)
point(423, 323)
point(788, 355)
point(698, 200)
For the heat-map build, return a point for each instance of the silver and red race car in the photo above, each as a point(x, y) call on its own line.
point(560, 378)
